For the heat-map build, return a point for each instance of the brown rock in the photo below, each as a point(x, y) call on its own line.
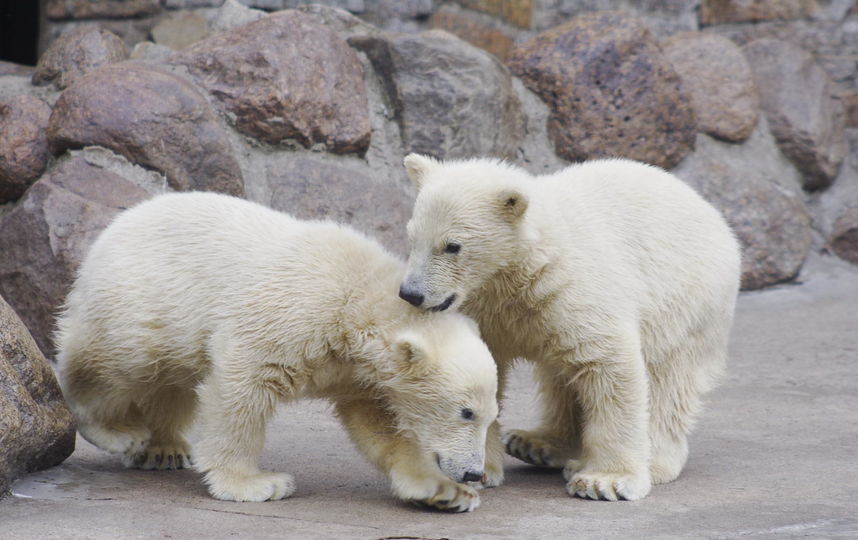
point(747, 186)
point(153, 118)
point(36, 427)
point(718, 81)
point(47, 233)
point(23, 144)
point(474, 31)
point(98, 9)
point(610, 90)
point(730, 11)
point(76, 53)
point(517, 12)
point(284, 76)
point(797, 98)
point(844, 237)
point(314, 189)
point(181, 30)
point(450, 98)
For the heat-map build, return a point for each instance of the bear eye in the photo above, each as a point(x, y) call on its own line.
point(452, 247)
point(467, 414)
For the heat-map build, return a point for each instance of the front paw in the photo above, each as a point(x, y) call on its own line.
point(531, 448)
point(258, 487)
point(493, 476)
point(610, 486)
point(437, 492)
point(451, 497)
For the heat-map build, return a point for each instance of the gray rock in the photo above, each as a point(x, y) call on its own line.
point(451, 99)
point(36, 427)
point(718, 80)
point(149, 51)
point(23, 144)
point(341, 190)
point(340, 21)
point(76, 53)
point(47, 233)
point(797, 98)
point(747, 184)
point(610, 89)
point(233, 14)
point(285, 77)
point(153, 118)
point(11, 68)
point(180, 30)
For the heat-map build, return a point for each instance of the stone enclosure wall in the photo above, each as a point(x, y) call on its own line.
point(310, 109)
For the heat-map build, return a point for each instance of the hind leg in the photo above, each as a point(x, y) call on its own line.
point(105, 413)
point(676, 383)
point(167, 413)
point(557, 438)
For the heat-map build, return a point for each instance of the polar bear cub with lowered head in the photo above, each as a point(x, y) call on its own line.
point(205, 305)
point(616, 279)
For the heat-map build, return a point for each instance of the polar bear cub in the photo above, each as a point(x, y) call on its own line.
point(202, 305)
point(615, 278)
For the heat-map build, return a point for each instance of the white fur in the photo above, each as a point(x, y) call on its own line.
point(615, 278)
point(202, 302)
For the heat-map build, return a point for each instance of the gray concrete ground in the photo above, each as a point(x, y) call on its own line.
point(775, 455)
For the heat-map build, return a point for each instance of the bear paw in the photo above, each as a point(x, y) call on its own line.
point(161, 457)
point(118, 440)
point(493, 476)
point(604, 485)
point(263, 486)
point(530, 448)
point(451, 497)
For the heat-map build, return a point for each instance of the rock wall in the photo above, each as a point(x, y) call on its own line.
point(310, 109)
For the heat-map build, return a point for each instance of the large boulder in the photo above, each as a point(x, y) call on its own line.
point(718, 80)
point(23, 144)
point(285, 77)
point(151, 117)
point(451, 99)
point(758, 192)
point(611, 90)
point(798, 100)
point(312, 188)
point(36, 427)
point(46, 234)
point(95, 9)
point(732, 11)
point(76, 53)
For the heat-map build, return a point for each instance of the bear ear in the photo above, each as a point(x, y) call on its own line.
point(411, 352)
point(418, 168)
point(513, 204)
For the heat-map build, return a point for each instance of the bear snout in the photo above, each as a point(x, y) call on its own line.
point(473, 476)
point(411, 296)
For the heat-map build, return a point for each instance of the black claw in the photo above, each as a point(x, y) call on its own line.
point(140, 459)
point(169, 461)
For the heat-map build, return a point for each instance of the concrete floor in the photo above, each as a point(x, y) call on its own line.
point(775, 455)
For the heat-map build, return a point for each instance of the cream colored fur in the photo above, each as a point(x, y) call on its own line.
point(616, 279)
point(202, 305)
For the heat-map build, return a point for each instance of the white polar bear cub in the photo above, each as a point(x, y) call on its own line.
point(205, 303)
point(616, 279)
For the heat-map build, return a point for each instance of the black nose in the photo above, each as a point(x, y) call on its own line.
point(412, 298)
point(472, 476)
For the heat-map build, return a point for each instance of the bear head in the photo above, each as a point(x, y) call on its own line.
point(468, 223)
point(440, 383)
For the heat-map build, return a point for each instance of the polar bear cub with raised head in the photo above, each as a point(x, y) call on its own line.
point(202, 305)
point(615, 278)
